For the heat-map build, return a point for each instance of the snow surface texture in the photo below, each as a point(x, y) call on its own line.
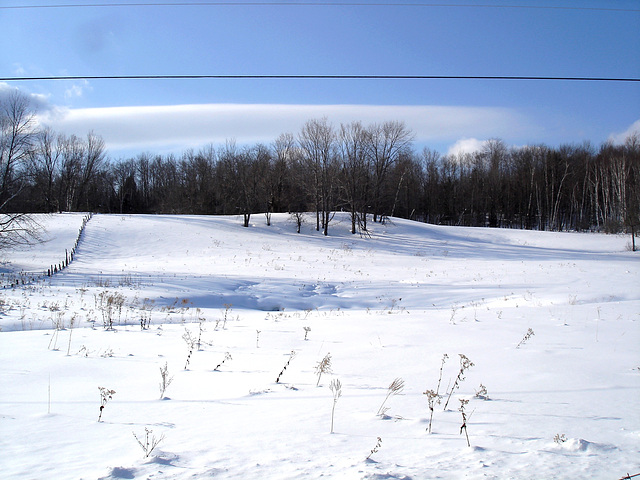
point(561, 401)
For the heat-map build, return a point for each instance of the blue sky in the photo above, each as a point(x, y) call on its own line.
point(513, 38)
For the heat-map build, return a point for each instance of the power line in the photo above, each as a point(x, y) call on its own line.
point(307, 4)
point(320, 77)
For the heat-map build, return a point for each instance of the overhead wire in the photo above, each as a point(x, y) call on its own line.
point(310, 4)
point(319, 77)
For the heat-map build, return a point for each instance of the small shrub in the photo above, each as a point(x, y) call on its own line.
point(109, 303)
point(306, 332)
point(150, 441)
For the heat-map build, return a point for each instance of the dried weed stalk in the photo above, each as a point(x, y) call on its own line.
point(465, 364)
point(394, 388)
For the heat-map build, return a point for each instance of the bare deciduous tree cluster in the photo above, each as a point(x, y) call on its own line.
point(370, 171)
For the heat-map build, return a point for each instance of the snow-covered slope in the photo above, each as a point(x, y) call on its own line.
point(384, 306)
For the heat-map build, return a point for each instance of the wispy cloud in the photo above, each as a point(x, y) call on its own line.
point(77, 89)
point(183, 126)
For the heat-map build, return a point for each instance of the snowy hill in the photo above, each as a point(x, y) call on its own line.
point(549, 321)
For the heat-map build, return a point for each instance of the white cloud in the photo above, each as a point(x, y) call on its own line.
point(183, 126)
point(40, 102)
point(466, 145)
point(619, 138)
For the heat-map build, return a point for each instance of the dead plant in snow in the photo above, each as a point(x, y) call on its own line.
point(375, 449)
point(482, 393)
point(150, 441)
point(105, 396)
point(286, 365)
point(336, 389)
point(323, 366)
point(465, 364)
point(394, 388)
point(432, 398)
point(463, 403)
point(165, 380)
point(526, 337)
point(227, 356)
point(191, 342)
point(444, 359)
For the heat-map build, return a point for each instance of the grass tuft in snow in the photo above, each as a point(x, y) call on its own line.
point(395, 388)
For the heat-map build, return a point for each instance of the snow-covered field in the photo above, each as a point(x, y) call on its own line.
point(550, 321)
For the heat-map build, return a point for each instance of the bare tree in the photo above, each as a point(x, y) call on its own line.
point(17, 131)
point(355, 184)
point(289, 162)
point(45, 162)
point(387, 141)
point(318, 143)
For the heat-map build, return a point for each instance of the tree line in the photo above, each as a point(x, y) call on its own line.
point(371, 171)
